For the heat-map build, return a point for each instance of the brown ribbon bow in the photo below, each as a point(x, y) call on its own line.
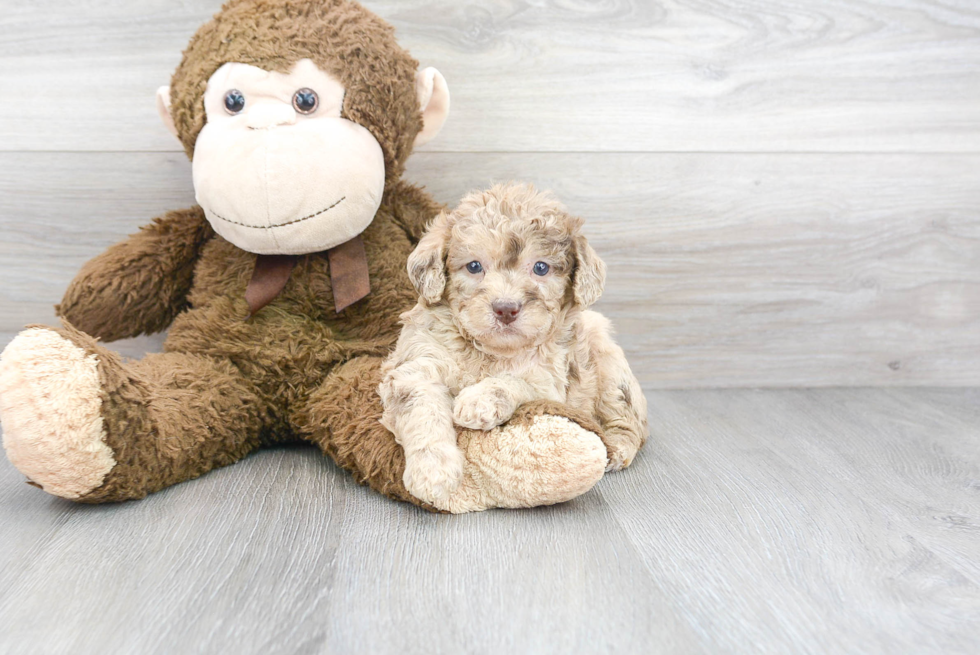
point(348, 276)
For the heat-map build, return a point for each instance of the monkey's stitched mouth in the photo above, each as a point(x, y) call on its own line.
point(269, 227)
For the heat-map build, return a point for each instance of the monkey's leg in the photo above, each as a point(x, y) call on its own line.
point(83, 425)
point(543, 455)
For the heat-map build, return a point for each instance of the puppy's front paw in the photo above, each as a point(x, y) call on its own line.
point(621, 448)
point(434, 472)
point(482, 407)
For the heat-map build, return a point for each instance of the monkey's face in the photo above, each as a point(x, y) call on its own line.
point(297, 115)
point(276, 168)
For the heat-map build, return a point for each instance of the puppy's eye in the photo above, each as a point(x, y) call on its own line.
point(540, 268)
point(474, 267)
point(234, 101)
point(305, 101)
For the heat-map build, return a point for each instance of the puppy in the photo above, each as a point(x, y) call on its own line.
point(505, 282)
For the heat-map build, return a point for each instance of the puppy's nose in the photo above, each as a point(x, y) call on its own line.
point(506, 310)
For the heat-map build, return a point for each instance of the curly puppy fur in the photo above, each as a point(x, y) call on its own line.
point(494, 330)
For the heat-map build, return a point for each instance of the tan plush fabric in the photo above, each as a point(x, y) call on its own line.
point(51, 402)
point(558, 460)
point(276, 182)
point(433, 94)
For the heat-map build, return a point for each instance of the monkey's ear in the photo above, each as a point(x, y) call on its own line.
point(434, 101)
point(163, 107)
point(589, 277)
point(427, 263)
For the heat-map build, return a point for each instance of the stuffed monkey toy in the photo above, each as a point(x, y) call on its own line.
point(281, 289)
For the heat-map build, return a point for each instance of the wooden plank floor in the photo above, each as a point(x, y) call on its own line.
point(764, 521)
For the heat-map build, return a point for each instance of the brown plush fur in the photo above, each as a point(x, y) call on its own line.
point(140, 285)
point(170, 417)
point(227, 382)
point(273, 366)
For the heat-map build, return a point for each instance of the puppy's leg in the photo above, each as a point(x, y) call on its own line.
point(621, 406)
point(418, 411)
point(493, 400)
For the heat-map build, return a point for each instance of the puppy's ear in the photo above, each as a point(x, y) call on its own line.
point(589, 277)
point(427, 263)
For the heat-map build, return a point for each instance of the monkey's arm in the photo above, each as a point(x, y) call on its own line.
point(139, 285)
point(411, 208)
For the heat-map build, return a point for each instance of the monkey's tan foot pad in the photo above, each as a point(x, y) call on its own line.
point(541, 461)
point(50, 410)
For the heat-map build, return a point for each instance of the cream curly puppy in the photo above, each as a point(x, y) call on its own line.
point(505, 282)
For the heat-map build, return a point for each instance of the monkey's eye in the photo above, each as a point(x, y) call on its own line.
point(540, 268)
point(474, 267)
point(234, 101)
point(305, 101)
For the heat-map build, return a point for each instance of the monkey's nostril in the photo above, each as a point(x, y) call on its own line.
point(506, 311)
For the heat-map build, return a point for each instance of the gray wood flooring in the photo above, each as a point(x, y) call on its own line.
point(778, 521)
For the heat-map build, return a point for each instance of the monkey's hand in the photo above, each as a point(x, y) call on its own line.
point(139, 285)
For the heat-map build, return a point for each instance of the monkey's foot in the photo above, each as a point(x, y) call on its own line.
point(50, 409)
point(535, 459)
